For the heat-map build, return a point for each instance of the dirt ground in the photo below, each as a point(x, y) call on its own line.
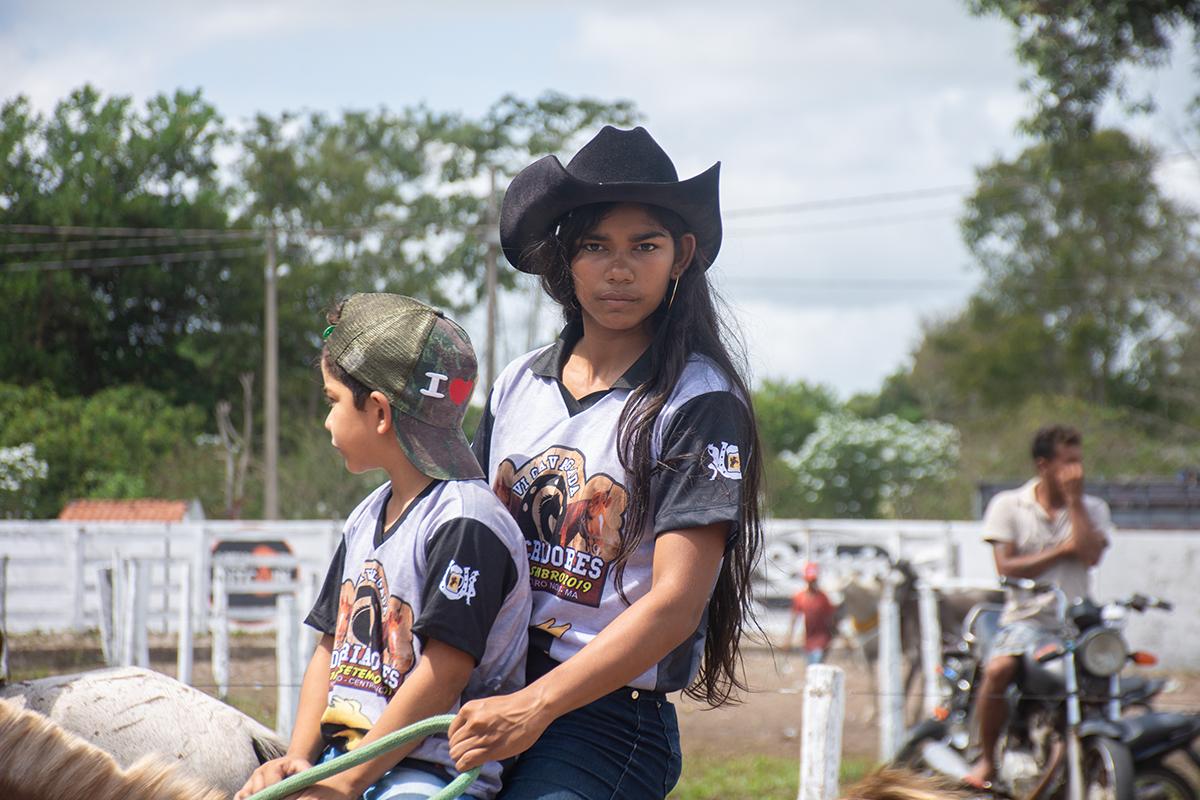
point(767, 722)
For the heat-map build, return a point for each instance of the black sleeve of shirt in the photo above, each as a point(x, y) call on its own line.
point(469, 573)
point(698, 480)
point(481, 443)
point(323, 615)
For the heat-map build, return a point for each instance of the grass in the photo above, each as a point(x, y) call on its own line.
point(751, 777)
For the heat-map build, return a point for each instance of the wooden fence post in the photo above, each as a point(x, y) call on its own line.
point(821, 741)
point(890, 667)
point(287, 691)
point(931, 645)
point(184, 654)
point(219, 625)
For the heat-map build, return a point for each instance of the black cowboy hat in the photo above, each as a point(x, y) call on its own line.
point(614, 167)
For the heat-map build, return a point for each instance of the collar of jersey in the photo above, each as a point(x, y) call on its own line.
point(550, 363)
point(382, 535)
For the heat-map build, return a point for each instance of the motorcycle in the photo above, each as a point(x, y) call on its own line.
point(1067, 734)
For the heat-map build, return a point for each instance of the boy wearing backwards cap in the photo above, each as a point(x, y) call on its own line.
point(426, 602)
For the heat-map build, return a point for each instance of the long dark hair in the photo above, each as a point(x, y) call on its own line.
point(686, 325)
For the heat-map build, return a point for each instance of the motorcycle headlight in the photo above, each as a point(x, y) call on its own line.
point(1102, 652)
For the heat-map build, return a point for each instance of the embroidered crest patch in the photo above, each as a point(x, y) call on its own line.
point(459, 582)
point(725, 461)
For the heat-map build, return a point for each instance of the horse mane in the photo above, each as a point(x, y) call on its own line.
point(42, 761)
point(891, 783)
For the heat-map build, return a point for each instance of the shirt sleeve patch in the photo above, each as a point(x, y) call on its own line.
point(458, 582)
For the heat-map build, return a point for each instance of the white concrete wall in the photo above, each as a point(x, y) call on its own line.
point(53, 566)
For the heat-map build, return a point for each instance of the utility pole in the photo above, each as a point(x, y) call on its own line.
point(271, 387)
point(493, 239)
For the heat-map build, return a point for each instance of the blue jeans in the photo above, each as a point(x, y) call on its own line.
point(624, 745)
point(816, 656)
point(401, 782)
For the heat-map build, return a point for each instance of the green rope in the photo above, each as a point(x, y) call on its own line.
point(418, 730)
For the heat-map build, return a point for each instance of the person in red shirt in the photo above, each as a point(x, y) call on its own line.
point(820, 617)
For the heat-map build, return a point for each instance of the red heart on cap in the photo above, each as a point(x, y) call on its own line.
point(460, 390)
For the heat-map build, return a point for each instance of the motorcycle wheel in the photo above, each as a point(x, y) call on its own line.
point(1107, 770)
point(1160, 782)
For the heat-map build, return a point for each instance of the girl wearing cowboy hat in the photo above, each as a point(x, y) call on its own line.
point(641, 396)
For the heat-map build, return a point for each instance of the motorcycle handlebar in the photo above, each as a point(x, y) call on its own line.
point(1137, 602)
point(1140, 603)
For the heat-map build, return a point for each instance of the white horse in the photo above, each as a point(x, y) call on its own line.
point(41, 761)
point(133, 713)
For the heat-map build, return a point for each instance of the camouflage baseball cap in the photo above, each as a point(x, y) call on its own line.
point(424, 364)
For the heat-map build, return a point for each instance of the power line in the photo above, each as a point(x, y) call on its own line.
point(803, 206)
point(847, 225)
point(91, 230)
point(125, 261)
point(908, 195)
point(112, 244)
point(847, 202)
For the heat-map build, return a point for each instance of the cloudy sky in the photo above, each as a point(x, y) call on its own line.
point(804, 103)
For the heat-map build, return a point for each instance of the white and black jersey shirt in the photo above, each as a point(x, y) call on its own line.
point(452, 568)
point(552, 460)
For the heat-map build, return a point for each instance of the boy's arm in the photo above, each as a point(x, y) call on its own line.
point(433, 687)
point(306, 741)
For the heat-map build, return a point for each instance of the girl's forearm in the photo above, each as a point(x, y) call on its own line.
point(636, 640)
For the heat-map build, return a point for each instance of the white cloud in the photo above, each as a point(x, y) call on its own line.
point(849, 349)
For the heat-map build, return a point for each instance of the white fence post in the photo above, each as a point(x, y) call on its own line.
point(287, 692)
point(821, 742)
point(78, 579)
point(306, 639)
point(129, 602)
point(140, 580)
point(219, 625)
point(3, 620)
point(119, 621)
point(108, 639)
point(184, 654)
point(890, 666)
point(931, 645)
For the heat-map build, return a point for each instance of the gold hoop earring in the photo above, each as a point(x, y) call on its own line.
point(674, 290)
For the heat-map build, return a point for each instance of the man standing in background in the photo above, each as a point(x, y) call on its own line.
point(820, 616)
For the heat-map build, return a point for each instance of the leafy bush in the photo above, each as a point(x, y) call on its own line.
point(867, 468)
point(20, 471)
point(108, 445)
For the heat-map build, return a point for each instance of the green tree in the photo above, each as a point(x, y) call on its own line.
point(101, 162)
point(111, 444)
point(787, 412)
point(1089, 279)
point(1079, 50)
point(897, 396)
